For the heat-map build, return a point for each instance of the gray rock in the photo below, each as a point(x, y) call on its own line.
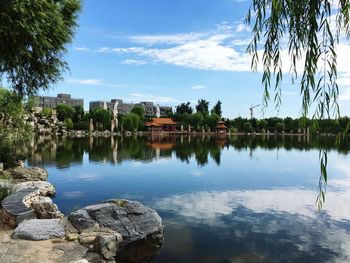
point(141, 228)
point(39, 229)
point(46, 209)
point(21, 174)
point(45, 188)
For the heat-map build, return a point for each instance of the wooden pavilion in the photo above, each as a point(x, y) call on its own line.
point(221, 127)
point(161, 125)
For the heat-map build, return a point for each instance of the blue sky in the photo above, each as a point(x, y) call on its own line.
point(170, 52)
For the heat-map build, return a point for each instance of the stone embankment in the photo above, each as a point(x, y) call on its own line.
point(112, 231)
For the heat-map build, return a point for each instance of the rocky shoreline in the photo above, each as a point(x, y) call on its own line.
point(111, 231)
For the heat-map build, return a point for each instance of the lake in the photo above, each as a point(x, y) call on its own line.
point(222, 199)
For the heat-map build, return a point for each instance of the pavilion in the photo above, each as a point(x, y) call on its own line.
point(161, 125)
point(221, 127)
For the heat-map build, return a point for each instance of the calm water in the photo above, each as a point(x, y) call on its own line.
point(234, 199)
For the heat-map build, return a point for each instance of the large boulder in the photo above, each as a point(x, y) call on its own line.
point(140, 227)
point(39, 229)
point(22, 174)
point(44, 188)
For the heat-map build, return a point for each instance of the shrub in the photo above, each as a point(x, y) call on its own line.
point(5, 190)
point(82, 125)
point(247, 127)
point(47, 112)
point(69, 124)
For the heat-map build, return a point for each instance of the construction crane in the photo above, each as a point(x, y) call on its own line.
point(251, 110)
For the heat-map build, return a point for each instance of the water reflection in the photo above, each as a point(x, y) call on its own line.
point(223, 199)
point(65, 151)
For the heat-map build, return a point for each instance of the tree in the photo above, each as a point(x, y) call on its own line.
point(64, 112)
point(13, 129)
point(203, 106)
point(305, 27)
point(217, 109)
point(140, 111)
point(131, 122)
point(197, 120)
point(102, 118)
point(184, 108)
point(247, 127)
point(33, 39)
point(212, 120)
point(78, 113)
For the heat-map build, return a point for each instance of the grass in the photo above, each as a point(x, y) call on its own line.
point(5, 190)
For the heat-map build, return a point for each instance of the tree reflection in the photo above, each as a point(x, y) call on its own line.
point(66, 151)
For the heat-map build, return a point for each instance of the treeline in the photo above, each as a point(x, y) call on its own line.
point(199, 119)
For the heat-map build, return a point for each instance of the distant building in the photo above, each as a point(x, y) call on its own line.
point(125, 108)
point(52, 102)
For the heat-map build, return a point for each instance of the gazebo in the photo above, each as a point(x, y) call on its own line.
point(160, 125)
point(221, 127)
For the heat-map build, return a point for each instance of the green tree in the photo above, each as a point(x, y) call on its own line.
point(139, 110)
point(212, 120)
point(203, 106)
point(304, 30)
point(78, 113)
point(33, 39)
point(64, 112)
point(102, 118)
point(262, 124)
point(280, 127)
point(184, 108)
point(247, 127)
point(197, 120)
point(13, 130)
point(217, 109)
point(131, 122)
point(69, 124)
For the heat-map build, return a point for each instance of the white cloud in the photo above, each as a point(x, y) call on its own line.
point(241, 27)
point(134, 62)
point(82, 49)
point(198, 87)
point(94, 82)
point(170, 39)
point(85, 81)
point(137, 97)
point(224, 26)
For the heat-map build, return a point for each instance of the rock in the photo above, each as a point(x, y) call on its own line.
point(72, 252)
point(141, 229)
point(101, 240)
point(72, 237)
point(45, 188)
point(80, 261)
point(21, 174)
point(46, 209)
point(39, 229)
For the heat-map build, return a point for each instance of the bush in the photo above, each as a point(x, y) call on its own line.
point(69, 124)
point(64, 112)
point(82, 125)
point(247, 127)
point(5, 190)
point(47, 112)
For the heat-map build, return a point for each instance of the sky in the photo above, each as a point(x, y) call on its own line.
point(170, 52)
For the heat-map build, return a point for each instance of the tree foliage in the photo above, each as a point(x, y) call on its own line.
point(217, 109)
point(311, 37)
point(102, 118)
point(184, 108)
point(64, 112)
point(203, 106)
point(13, 129)
point(33, 39)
